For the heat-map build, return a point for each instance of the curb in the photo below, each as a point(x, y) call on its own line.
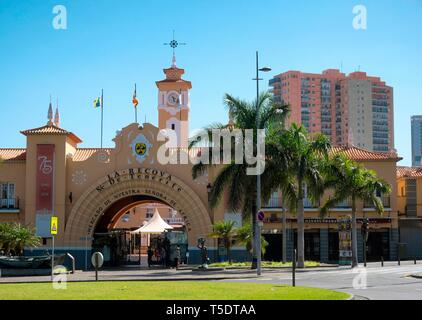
point(174, 279)
point(355, 297)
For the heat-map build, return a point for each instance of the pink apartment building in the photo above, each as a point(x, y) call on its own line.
point(351, 109)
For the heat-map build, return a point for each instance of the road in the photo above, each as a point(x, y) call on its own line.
point(391, 282)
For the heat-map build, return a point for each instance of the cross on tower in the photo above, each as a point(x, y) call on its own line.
point(174, 44)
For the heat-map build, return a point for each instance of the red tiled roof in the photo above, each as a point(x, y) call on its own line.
point(359, 154)
point(51, 130)
point(83, 154)
point(411, 172)
point(12, 154)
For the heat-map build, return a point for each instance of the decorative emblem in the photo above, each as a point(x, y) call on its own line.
point(103, 156)
point(140, 148)
point(79, 177)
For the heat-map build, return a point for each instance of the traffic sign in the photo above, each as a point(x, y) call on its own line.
point(54, 225)
point(261, 215)
point(97, 260)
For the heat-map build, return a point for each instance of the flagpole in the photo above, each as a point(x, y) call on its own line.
point(102, 117)
point(136, 108)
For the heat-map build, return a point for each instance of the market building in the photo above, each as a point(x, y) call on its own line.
point(409, 193)
point(100, 194)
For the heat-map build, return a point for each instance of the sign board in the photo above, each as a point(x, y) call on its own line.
point(45, 178)
point(345, 240)
point(261, 215)
point(97, 260)
point(54, 225)
point(43, 225)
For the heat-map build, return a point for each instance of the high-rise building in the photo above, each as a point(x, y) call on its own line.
point(351, 109)
point(416, 141)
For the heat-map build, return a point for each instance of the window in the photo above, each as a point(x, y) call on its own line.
point(173, 127)
point(150, 213)
point(7, 191)
point(7, 195)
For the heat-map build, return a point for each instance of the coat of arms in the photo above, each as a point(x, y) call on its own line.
point(140, 148)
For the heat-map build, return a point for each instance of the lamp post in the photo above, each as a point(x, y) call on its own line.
point(257, 227)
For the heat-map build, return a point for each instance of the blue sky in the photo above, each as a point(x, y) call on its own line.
point(113, 44)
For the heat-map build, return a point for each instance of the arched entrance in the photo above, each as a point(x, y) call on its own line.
point(127, 186)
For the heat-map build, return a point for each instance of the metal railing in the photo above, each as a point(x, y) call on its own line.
point(307, 204)
point(174, 220)
point(274, 202)
point(345, 204)
point(384, 199)
point(10, 203)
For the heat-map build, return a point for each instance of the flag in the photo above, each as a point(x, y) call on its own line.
point(97, 102)
point(134, 100)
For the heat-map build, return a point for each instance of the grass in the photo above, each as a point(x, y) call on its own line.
point(172, 290)
point(265, 264)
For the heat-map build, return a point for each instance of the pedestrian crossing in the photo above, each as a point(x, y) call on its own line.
point(392, 271)
point(398, 270)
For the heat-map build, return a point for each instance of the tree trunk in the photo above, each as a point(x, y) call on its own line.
point(254, 233)
point(284, 233)
point(355, 262)
point(228, 251)
point(300, 234)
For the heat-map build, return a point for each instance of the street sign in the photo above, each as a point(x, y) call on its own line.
point(54, 225)
point(261, 215)
point(97, 260)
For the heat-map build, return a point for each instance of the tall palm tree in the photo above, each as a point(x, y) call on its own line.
point(224, 230)
point(233, 178)
point(350, 180)
point(300, 158)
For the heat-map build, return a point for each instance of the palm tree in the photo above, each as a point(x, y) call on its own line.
point(351, 180)
point(244, 236)
point(225, 231)
point(233, 178)
point(5, 238)
point(300, 159)
point(15, 237)
point(24, 237)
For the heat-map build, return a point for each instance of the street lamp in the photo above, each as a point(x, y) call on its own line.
point(257, 227)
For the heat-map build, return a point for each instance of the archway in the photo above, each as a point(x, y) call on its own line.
point(133, 184)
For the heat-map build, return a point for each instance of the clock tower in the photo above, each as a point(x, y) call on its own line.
point(174, 104)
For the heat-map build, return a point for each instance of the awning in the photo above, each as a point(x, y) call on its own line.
point(155, 226)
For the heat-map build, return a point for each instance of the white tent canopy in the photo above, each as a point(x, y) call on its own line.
point(154, 226)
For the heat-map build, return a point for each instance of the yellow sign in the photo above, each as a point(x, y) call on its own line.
point(54, 225)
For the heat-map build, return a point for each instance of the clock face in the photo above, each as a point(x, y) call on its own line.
point(173, 98)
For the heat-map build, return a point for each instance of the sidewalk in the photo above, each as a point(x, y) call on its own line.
point(136, 274)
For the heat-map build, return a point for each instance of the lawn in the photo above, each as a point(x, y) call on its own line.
point(172, 290)
point(265, 264)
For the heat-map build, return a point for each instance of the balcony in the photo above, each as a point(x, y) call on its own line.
point(174, 220)
point(307, 204)
point(9, 205)
point(345, 204)
point(273, 203)
point(385, 202)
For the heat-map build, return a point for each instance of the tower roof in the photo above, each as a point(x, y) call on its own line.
point(174, 75)
point(51, 129)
